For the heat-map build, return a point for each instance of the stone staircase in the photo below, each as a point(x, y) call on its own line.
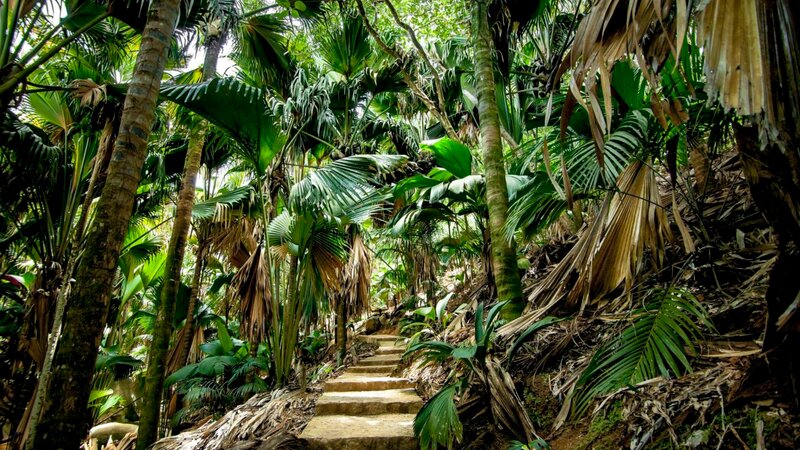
point(366, 408)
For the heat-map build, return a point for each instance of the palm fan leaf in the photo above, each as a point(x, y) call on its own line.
point(437, 423)
point(609, 253)
point(756, 70)
point(355, 278)
point(239, 109)
point(506, 405)
point(342, 182)
point(346, 50)
point(215, 206)
point(261, 48)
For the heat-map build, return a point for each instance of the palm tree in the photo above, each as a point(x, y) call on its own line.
point(504, 255)
point(157, 357)
point(64, 419)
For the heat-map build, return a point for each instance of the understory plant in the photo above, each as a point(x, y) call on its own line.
point(661, 338)
point(427, 321)
point(220, 380)
point(475, 373)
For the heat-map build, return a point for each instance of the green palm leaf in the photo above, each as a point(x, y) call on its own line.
point(657, 343)
point(437, 423)
point(261, 47)
point(343, 181)
point(239, 109)
point(208, 208)
point(346, 50)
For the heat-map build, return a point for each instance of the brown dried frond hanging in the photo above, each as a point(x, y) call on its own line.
point(613, 30)
point(752, 59)
point(356, 279)
point(251, 285)
point(609, 253)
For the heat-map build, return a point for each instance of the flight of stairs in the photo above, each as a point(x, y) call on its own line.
point(366, 408)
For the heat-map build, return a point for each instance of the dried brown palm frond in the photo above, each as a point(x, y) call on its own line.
point(752, 57)
point(194, 355)
point(613, 30)
point(327, 265)
point(237, 239)
point(355, 278)
point(609, 253)
point(88, 92)
point(508, 409)
point(251, 286)
point(267, 420)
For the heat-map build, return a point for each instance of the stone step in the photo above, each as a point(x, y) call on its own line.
point(372, 369)
point(380, 360)
point(389, 350)
point(364, 403)
point(381, 338)
point(365, 382)
point(380, 432)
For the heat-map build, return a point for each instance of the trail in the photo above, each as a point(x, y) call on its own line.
point(366, 408)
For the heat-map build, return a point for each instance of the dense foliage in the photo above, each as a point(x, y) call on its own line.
point(199, 199)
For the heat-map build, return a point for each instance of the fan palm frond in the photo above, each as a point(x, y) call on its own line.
point(346, 50)
point(342, 182)
point(609, 253)
point(215, 206)
point(356, 278)
point(239, 109)
point(261, 46)
point(251, 286)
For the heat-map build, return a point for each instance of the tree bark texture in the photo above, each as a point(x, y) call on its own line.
point(65, 418)
point(157, 357)
point(341, 329)
point(773, 175)
point(504, 255)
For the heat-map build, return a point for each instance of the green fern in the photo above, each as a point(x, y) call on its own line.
point(657, 343)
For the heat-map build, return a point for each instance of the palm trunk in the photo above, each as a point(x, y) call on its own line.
point(65, 418)
point(504, 255)
point(40, 394)
point(773, 175)
point(341, 330)
point(291, 322)
point(157, 358)
point(185, 345)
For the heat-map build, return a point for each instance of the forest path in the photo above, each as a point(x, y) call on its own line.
point(366, 408)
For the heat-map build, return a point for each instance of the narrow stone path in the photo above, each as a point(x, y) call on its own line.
point(366, 408)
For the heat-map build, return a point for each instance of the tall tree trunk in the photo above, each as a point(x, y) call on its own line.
point(213, 47)
point(65, 418)
point(773, 175)
point(291, 322)
point(504, 255)
point(157, 357)
point(40, 394)
point(185, 345)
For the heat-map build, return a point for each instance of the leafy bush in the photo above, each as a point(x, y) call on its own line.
point(220, 380)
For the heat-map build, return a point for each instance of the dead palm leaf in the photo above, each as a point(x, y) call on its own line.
point(609, 253)
point(752, 59)
point(355, 278)
point(251, 286)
